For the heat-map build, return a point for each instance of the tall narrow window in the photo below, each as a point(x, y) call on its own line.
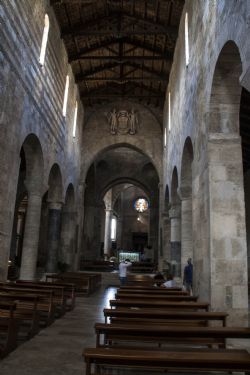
point(113, 229)
point(186, 40)
point(65, 99)
point(75, 120)
point(169, 111)
point(44, 40)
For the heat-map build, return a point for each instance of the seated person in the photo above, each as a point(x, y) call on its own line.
point(170, 283)
point(159, 278)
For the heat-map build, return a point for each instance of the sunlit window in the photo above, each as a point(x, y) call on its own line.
point(186, 40)
point(113, 229)
point(141, 205)
point(169, 111)
point(65, 99)
point(44, 40)
point(75, 120)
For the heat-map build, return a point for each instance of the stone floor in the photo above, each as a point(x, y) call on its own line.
point(58, 348)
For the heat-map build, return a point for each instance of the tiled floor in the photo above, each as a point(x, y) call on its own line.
point(58, 348)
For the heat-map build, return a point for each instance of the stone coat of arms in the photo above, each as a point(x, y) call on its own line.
point(123, 122)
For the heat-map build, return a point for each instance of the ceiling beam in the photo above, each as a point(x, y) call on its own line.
point(122, 59)
point(121, 79)
point(111, 96)
point(109, 25)
point(81, 54)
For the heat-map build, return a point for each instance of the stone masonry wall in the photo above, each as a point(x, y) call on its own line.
point(31, 99)
point(211, 24)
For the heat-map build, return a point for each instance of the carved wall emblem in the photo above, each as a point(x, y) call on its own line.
point(123, 122)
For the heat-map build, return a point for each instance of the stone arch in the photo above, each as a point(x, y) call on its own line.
point(34, 162)
point(226, 191)
point(226, 91)
point(103, 148)
point(55, 192)
point(68, 230)
point(175, 220)
point(185, 192)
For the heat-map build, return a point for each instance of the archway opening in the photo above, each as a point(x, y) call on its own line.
point(114, 181)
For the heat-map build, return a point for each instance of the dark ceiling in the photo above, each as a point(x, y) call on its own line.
point(120, 48)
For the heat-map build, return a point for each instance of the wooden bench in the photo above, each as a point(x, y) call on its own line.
point(85, 283)
point(193, 361)
point(69, 290)
point(157, 315)
point(8, 328)
point(59, 295)
point(148, 287)
point(26, 312)
point(168, 334)
point(155, 291)
point(163, 297)
point(45, 306)
point(147, 303)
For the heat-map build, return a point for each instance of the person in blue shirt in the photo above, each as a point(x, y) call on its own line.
point(188, 276)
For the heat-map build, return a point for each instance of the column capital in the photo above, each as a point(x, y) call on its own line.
point(185, 192)
point(54, 205)
point(175, 211)
point(33, 189)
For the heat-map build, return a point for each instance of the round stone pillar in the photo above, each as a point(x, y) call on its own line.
point(68, 243)
point(185, 194)
point(175, 239)
point(31, 236)
point(54, 232)
point(107, 238)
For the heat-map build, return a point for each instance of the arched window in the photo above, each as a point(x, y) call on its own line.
point(65, 99)
point(44, 40)
point(165, 136)
point(169, 111)
point(75, 120)
point(186, 40)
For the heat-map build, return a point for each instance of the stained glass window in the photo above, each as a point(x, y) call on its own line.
point(141, 205)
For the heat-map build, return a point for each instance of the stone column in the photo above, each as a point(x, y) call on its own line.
point(185, 193)
point(67, 243)
point(79, 226)
point(166, 233)
point(107, 239)
point(31, 235)
point(119, 232)
point(228, 248)
point(175, 239)
point(54, 232)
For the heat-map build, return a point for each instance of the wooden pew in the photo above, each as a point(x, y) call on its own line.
point(69, 290)
point(45, 306)
point(168, 334)
point(219, 360)
point(8, 328)
point(157, 315)
point(155, 291)
point(163, 297)
point(25, 313)
point(148, 287)
point(59, 296)
point(85, 283)
point(147, 303)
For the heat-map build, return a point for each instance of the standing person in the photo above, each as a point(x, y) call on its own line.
point(123, 266)
point(188, 276)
